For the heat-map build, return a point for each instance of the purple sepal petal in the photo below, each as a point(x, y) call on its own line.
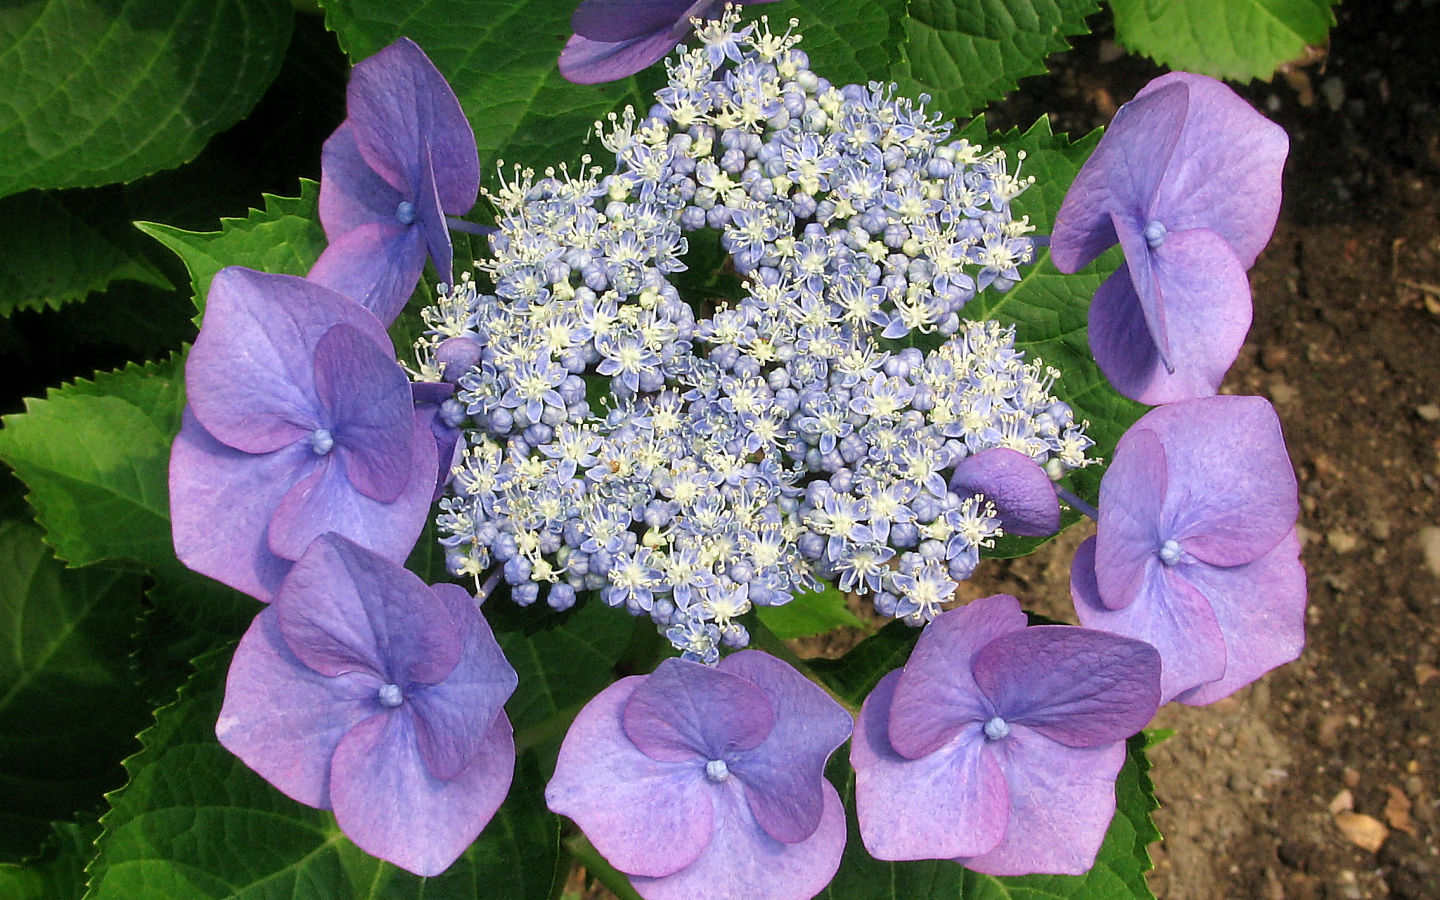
point(1144, 281)
point(284, 720)
point(784, 775)
point(1023, 494)
point(646, 817)
point(1167, 613)
point(1122, 174)
point(428, 395)
point(430, 215)
point(221, 501)
point(351, 193)
point(1239, 494)
point(249, 378)
point(326, 501)
point(952, 802)
point(1206, 300)
point(622, 20)
point(686, 711)
point(743, 861)
point(1261, 610)
point(402, 112)
point(377, 265)
point(937, 696)
point(1061, 802)
point(391, 807)
point(1132, 496)
point(369, 409)
point(451, 717)
point(1076, 686)
point(1225, 172)
point(344, 609)
point(584, 61)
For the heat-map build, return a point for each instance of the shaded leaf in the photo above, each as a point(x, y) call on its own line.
point(58, 872)
point(53, 256)
point(93, 93)
point(68, 708)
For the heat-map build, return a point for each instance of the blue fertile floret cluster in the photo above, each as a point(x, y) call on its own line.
point(691, 461)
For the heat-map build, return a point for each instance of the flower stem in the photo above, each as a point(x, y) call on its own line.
point(1077, 503)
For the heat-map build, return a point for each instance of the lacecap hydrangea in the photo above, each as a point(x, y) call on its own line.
point(691, 457)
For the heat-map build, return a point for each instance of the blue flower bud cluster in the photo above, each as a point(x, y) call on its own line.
point(690, 462)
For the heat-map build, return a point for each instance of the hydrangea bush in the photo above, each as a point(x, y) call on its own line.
point(483, 506)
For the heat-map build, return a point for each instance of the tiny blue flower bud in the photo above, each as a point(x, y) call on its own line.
point(716, 771)
point(1170, 552)
point(1155, 232)
point(390, 695)
point(321, 442)
point(405, 213)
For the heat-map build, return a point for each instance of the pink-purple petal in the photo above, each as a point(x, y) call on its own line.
point(327, 501)
point(784, 776)
point(584, 61)
point(1132, 495)
point(688, 711)
point(377, 265)
point(343, 609)
point(1119, 337)
point(1061, 802)
point(1168, 613)
point(1225, 172)
point(1023, 494)
point(351, 193)
point(952, 802)
point(1239, 493)
point(741, 860)
point(285, 720)
point(1206, 298)
point(451, 717)
point(646, 817)
point(1261, 610)
point(1121, 175)
point(1148, 291)
point(1077, 686)
point(369, 411)
point(936, 696)
point(391, 807)
point(221, 502)
point(249, 376)
point(623, 20)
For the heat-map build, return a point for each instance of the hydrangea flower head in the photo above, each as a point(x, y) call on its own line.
point(707, 782)
point(997, 745)
point(403, 158)
point(1196, 550)
point(363, 690)
point(616, 38)
point(1187, 180)
point(299, 422)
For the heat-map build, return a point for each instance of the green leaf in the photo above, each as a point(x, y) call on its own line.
point(500, 58)
point(58, 873)
point(968, 53)
point(93, 93)
point(1048, 309)
point(68, 709)
point(1236, 39)
point(194, 822)
point(809, 614)
point(52, 256)
point(853, 675)
point(285, 238)
point(94, 456)
point(847, 42)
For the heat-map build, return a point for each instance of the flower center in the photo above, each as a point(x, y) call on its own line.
point(997, 729)
point(716, 771)
point(321, 442)
point(390, 696)
point(1170, 552)
point(1155, 234)
point(405, 214)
